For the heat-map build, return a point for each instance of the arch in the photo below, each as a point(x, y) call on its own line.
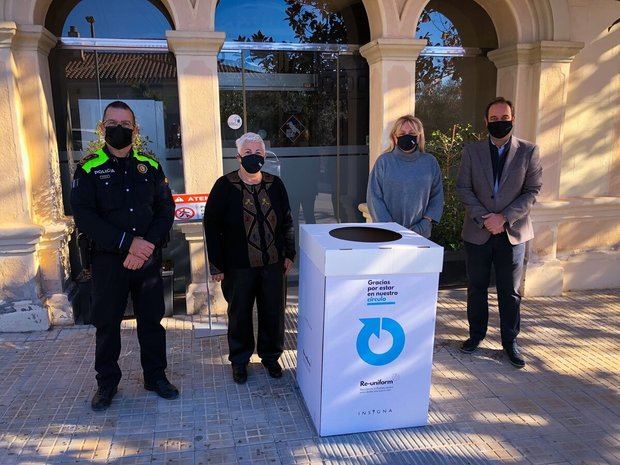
point(338, 21)
point(381, 15)
point(375, 10)
point(560, 20)
point(59, 11)
point(537, 19)
point(516, 21)
point(35, 11)
point(473, 25)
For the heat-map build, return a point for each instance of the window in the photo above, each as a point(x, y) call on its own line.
point(454, 78)
point(86, 76)
point(293, 21)
point(113, 19)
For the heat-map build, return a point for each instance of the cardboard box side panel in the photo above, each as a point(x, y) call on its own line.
point(310, 328)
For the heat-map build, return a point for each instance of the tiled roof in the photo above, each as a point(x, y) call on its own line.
point(150, 67)
point(143, 67)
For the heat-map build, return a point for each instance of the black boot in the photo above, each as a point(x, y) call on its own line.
point(469, 346)
point(164, 388)
point(514, 354)
point(240, 373)
point(102, 398)
point(273, 368)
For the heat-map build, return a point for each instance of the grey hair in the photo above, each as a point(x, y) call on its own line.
point(248, 137)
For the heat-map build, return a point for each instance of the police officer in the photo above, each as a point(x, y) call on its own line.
point(121, 200)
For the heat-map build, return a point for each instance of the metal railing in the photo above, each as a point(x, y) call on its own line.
point(161, 45)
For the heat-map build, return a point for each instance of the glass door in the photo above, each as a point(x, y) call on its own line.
point(311, 108)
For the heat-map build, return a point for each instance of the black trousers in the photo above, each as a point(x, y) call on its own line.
point(507, 260)
point(266, 285)
point(112, 283)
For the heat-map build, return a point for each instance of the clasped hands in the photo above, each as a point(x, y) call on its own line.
point(494, 222)
point(139, 252)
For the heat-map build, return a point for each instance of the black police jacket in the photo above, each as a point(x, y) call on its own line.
point(114, 200)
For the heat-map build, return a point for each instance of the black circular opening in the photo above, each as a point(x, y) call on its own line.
point(365, 234)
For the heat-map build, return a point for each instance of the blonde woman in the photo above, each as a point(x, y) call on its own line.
point(405, 184)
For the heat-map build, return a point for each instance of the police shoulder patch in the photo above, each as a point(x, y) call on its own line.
point(85, 158)
point(147, 158)
point(93, 160)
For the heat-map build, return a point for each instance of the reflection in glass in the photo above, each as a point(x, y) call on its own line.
point(293, 21)
point(114, 19)
point(310, 107)
point(293, 101)
point(447, 23)
point(455, 90)
point(83, 86)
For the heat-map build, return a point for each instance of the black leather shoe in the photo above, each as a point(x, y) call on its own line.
point(514, 355)
point(469, 346)
point(273, 368)
point(240, 373)
point(102, 398)
point(164, 389)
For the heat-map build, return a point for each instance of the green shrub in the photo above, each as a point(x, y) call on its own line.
point(446, 147)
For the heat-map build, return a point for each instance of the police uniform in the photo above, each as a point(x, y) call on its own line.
point(114, 200)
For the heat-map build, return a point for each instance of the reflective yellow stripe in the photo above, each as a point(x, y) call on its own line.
point(148, 160)
point(102, 157)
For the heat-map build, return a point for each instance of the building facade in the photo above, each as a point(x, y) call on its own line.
point(322, 81)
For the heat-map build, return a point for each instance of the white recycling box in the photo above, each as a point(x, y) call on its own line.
point(366, 325)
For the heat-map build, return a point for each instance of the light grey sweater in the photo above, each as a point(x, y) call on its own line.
point(404, 188)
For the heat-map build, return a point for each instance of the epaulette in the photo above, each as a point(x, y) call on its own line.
point(150, 159)
point(146, 155)
point(85, 158)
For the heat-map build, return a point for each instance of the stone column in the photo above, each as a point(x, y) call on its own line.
point(392, 85)
point(196, 55)
point(535, 76)
point(21, 308)
point(201, 286)
point(31, 48)
point(515, 82)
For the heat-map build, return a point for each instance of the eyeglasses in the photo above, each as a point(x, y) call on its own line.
point(111, 123)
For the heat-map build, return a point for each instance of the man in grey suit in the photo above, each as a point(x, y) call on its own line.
point(498, 181)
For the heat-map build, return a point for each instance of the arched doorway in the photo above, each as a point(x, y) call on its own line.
point(291, 70)
point(454, 82)
point(454, 77)
point(104, 54)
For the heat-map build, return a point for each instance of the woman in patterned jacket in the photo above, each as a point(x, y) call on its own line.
point(251, 246)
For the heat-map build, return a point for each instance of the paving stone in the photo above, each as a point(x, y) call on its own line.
point(563, 408)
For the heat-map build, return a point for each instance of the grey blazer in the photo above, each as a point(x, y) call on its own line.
point(519, 185)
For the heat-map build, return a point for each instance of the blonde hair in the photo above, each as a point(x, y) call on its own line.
point(417, 126)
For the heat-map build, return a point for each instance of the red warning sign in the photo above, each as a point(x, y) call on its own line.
point(189, 206)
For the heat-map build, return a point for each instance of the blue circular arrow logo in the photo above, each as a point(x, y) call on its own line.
point(374, 326)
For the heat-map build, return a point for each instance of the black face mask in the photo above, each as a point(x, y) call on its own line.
point(499, 129)
point(252, 162)
point(407, 142)
point(118, 136)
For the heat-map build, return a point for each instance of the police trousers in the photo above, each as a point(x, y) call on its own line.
point(112, 284)
point(241, 288)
